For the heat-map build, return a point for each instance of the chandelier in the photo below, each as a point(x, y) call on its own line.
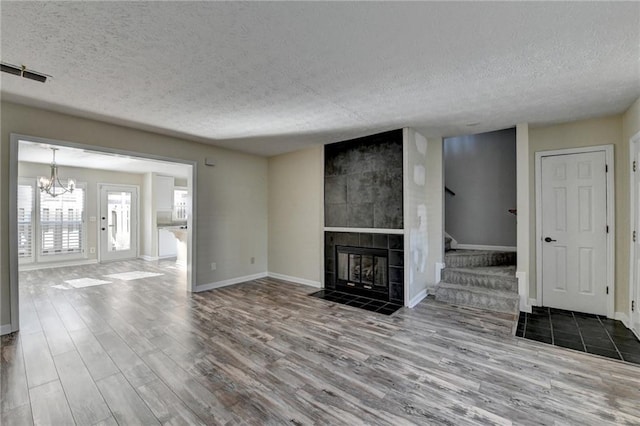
point(52, 184)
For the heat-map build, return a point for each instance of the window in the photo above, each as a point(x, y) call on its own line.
point(61, 223)
point(50, 229)
point(25, 220)
point(180, 198)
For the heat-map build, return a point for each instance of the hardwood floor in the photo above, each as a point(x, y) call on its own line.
point(263, 352)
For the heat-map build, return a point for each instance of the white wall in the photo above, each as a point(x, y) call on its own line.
point(416, 237)
point(481, 170)
point(231, 197)
point(295, 214)
point(91, 177)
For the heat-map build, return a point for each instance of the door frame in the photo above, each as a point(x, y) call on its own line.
point(610, 206)
point(14, 138)
point(99, 197)
point(633, 291)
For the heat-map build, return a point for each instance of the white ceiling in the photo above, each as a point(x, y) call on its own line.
point(66, 156)
point(267, 77)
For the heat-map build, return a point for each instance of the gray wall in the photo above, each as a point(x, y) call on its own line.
point(481, 170)
point(363, 182)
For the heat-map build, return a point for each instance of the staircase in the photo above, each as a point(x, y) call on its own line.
point(481, 279)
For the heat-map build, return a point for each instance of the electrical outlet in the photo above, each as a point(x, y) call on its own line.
point(92, 250)
point(213, 266)
point(253, 260)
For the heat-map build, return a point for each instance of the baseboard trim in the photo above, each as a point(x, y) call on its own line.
point(417, 298)
point(439, 267)
point(481, 247)
point(149, 258)
point(37, 266)
point(231, 281)
point(303, 281)
point(6, 329)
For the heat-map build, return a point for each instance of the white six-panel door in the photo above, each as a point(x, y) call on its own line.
point(635, 261)
point(574, 236)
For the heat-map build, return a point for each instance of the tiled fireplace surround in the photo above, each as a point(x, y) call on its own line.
point(364, 192)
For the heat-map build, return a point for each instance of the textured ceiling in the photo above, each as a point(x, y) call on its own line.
point(268, 77)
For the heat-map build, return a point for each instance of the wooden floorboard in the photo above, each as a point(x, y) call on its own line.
point(264, 352)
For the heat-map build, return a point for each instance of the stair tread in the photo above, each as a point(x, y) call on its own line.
point(481, 290)
point(508, 271)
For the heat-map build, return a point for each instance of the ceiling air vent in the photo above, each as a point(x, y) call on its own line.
point(23, 72)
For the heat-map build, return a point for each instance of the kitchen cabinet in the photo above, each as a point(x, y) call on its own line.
point(163, 191)
point(167, 243)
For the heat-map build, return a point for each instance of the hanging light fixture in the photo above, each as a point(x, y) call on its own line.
point(52, 185)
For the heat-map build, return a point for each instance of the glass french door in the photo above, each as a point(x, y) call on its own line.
point(118, 222)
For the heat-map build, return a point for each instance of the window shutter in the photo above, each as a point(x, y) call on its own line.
point(61, 223)
point(25, 221)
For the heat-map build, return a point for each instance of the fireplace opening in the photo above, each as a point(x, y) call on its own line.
point(363, 270)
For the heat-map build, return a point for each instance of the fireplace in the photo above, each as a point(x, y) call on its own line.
point(365, 270)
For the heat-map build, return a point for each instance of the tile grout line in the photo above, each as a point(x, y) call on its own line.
point(524, 331)
point(579, 332)
point(610, 338)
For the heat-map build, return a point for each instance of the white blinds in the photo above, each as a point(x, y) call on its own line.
point(61, 223)
point(25, 221)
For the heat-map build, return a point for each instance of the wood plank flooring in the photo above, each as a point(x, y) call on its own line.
point(263, 352)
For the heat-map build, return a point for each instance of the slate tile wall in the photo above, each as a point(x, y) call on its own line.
point(363, 182)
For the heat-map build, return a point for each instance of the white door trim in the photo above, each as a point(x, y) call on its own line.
point(632, 220)
point(14, 138)
point(99, 242)
point(609, 158)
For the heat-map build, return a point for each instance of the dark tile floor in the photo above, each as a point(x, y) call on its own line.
point(589, 333)
point(373, 305)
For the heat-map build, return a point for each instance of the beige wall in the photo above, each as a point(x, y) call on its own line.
point(598, 131)
point(231, 197)
point(435, 207)
point(90, 177)
point(295, 214)
point(631, 122)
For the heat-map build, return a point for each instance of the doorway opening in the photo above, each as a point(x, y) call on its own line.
point(106, 230)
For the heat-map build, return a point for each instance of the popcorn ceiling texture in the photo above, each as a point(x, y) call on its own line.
point(270, 77)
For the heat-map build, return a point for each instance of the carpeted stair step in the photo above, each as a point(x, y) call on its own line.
point(447, 243)
point(490, 277)
point(477, 297)
point(476, 258)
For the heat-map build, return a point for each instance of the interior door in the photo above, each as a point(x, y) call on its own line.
point(118, 222)
point(635, 261)
point(574, 240)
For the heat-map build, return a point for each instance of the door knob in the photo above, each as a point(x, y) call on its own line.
point(549, 239)
point(104, 229)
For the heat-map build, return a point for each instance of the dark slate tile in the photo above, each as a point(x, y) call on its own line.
point(558, 334)
point(519, 333)
point(538, 337)
point(396, 258)
point(360, 188)
point(328, 280)
point(396, 241)
point(603, 352)
point(571, 344)
point(366, 240)
point(335, 190)
point(628, 346)
point(539, 322)
point(562, 312)
point(360, 215)
point(580, 315)
point(370, 307)
point(336, 215)
point(377, 303)
point(539, 310)
point(568, 326)
point(354, 303)
point(604, 343)
point(329, 265)
point(396, 275)
point(537, 330)
point(387, 215)
point(631, 357)
point(380, 241)
point(396, 291)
